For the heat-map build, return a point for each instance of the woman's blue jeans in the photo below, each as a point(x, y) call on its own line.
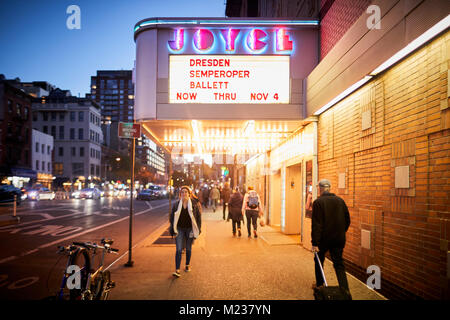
point(183, 240)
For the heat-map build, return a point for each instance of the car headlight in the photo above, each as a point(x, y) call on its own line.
point(76, 194)
point(33, 194)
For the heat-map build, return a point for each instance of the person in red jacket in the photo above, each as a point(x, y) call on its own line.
point(330, 222)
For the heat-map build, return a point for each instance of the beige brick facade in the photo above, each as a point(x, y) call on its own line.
point(389, 142)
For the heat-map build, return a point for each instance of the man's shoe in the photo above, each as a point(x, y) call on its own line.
point(234, 234)
point(239, 232)
point(187, 269)
point(254, 233)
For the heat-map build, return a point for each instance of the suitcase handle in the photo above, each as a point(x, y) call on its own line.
point(321, 269)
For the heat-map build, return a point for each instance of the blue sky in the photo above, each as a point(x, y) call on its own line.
point(36, 45)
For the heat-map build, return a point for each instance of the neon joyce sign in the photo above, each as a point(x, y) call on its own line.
point(254, 40)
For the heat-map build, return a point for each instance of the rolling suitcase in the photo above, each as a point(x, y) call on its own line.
point(326, 292)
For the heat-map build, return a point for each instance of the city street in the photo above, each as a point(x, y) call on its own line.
point(31, 268)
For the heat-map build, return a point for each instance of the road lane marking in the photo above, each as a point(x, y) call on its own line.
point(79, 234)
point(155, 234)
point(96, 228)
point(8, 259)
point(38, 221)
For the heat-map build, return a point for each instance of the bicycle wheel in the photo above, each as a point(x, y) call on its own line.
point(81, 259)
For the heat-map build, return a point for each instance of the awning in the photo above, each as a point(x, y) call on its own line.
point(23, 172)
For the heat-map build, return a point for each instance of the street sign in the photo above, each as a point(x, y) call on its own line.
point(129, 130)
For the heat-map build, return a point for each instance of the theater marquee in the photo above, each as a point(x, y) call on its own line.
point(228, 79)
point(216, 68)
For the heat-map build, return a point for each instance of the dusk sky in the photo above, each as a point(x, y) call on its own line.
point(36, 44)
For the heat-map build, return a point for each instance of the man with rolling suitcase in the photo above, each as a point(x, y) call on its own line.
point(330, 222)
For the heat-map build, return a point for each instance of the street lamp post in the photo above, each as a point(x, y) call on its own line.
point(130, 262)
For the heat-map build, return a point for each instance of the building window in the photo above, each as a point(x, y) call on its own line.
point(78, 168)
point(72, 116)
point(19, 109)
point(43, 166)
point(80, 116)
point(72, 134)
point(92, 170)
point(37, 147)
point(10, 106)
point(81, 151)
point(35, 116)
point(48, 149)
point(45, 116)
point(53, 116)
point(48, 167)
point(43, 149)
point(80, 134)
point(45, 129)
point(74, 153)
point(97, 170)
point(58, 168)
point(62, 116)
point(37, 165)
point(61, 151)
point(25, 113)
point(61, 132)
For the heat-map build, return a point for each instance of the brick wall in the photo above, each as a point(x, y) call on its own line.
point(335, 21)
point(386, 150)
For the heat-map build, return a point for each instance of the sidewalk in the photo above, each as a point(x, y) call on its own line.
point(272, 267)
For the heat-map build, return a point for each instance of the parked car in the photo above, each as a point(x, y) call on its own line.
point(7, 193)
point(145, 194)
point(41, 194)
point(90, 193)
point(158, 192)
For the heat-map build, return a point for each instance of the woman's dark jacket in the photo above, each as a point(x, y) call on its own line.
point(235, 206)
point(196, 211)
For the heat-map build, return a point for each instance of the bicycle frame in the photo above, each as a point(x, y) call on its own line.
point(91, 275)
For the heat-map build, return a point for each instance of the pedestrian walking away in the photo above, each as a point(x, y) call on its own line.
point(205, 196)
point(185, 224)
point(235, 211)
point(252, 208)
point(330, 222)
point(225, 196)
point(214, 195)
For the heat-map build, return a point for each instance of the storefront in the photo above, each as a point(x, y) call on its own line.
point(232, 89)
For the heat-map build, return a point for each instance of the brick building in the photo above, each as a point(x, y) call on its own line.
point(15, 134)
point(377, 125)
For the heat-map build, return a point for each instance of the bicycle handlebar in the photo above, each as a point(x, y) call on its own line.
point(93, 245)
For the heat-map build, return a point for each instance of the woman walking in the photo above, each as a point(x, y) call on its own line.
point(185, 222)
point(234, 210)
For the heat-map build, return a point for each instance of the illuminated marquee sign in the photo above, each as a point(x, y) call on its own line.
point(229, 79)
point(254, 41)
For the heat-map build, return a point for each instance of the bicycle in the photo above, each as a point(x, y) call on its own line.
point(93, 284)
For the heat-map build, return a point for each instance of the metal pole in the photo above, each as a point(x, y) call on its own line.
point(170, 184)
point(15, 205)
point(130, 262)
